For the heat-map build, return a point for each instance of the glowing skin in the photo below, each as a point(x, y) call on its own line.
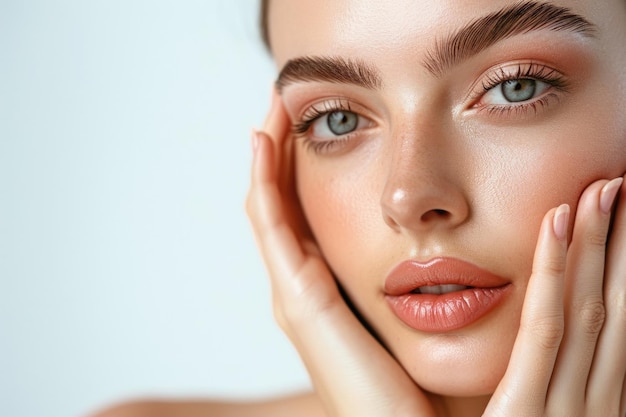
point(433, 170)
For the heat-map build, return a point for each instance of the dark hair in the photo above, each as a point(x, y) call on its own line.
point(263, 24)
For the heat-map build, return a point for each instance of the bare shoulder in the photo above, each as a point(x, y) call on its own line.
point(300, 405)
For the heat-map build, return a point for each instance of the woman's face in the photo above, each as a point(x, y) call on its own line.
point(457, 125)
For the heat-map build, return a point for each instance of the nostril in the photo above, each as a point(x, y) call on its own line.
point(421, 207)
point(435, 214)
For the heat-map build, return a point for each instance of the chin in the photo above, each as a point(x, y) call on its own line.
point(458, 365)
point(460, 383)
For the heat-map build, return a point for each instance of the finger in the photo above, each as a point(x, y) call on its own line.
point(277, 241)
point(296, 269)
point(276, 123)
point(352, 373)
point(269, 167)
point(584, 305)
point(523, 389)
point(606, 380)
point(277, 127)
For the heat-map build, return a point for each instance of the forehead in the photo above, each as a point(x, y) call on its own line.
point(371, 27)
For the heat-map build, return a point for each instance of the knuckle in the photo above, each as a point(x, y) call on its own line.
point(596, 238)
point(289, 315)
point(591, 316)
point(546, 332)
point(306, 299)
point(294, 316)
point(553, 265)
point(285, 313)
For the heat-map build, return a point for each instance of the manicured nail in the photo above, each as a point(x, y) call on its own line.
point(608, 193)
point(560, 221)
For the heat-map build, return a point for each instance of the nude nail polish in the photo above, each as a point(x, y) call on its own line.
point(560, 221)
point(608, 193)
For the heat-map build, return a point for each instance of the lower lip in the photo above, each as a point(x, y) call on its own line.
point(446, 312)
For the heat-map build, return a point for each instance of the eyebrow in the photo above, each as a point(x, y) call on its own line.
point(517, 19)
point(329, 69)
point(468, 41)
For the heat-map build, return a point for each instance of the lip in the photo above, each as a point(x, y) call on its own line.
point(442, 312)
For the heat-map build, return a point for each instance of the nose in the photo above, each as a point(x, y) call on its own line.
point(424, 189)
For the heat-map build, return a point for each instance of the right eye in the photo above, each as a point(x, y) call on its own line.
point(337, 123)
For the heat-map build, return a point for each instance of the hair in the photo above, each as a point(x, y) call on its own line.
point(263, 24)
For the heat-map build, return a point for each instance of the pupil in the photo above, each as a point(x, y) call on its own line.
point(519, 90)
point(342, 122)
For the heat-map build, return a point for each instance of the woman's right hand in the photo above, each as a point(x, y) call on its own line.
point(352, 373)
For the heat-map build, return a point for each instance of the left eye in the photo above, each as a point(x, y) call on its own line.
point(338, 123)
point(515, 91)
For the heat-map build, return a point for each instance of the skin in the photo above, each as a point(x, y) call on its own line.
point(527, 195)
point(378, 198)
point(423, 154)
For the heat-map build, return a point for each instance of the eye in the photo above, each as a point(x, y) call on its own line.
point(337, 123)
point(330, 126)
point(342, 122)
point(514, 91)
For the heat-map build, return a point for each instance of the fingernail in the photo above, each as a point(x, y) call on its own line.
point(608, 193)
point(560, 221)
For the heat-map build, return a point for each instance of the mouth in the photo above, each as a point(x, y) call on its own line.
point(443, 294)
point(439, 289)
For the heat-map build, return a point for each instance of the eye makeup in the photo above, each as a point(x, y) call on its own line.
point(541, 81)
point(319, 125)
point(509, 92)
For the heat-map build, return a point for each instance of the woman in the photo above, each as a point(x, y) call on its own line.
point(436, 193)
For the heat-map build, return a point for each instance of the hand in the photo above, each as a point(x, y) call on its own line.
point(569, 358)
point(352, 373)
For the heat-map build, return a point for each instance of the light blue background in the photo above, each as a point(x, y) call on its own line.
point(126, 263)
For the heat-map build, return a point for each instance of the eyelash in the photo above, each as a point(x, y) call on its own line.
point(312, 114)
point(531, 70)
point(538, 72)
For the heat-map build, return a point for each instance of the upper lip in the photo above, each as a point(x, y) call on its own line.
point(412, 274)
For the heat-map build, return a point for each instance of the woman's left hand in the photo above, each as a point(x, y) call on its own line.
point(569, 358)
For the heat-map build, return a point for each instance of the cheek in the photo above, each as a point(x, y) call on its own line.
point(510, 182)
point(341, 205)
point(528, 171)
point(511, 175)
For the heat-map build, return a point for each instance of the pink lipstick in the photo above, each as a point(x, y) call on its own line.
point(442, 294)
